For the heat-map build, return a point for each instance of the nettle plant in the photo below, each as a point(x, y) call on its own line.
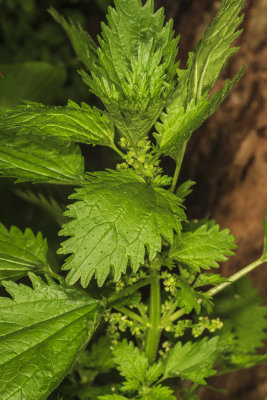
point(139, 284)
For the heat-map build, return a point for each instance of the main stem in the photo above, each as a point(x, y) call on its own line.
point(154, 330)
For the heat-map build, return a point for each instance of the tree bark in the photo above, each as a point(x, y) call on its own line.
point(227, 158)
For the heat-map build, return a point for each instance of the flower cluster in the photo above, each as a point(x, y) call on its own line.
point(128, 280)
point(118, 323)
point(169, 283)
point(144, 161)
point(166, 346)
point(212, 325)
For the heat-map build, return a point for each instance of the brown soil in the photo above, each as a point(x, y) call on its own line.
point(228, 158)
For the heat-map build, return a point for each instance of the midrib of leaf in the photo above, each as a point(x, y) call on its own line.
point(76, 122)
point(16, 260)
point(202, 76)
point(198, 82)
point(48, 321)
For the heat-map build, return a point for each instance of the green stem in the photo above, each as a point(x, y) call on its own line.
point(130, 314)
point(52, 273)
point(178, 314)
point(235, 277)
point(129, 290)
point(178, 168)
point(141, 311)
point(167, 316)
point(154, 330)
point(213, 291)
point(194, 388)
point(118, 151)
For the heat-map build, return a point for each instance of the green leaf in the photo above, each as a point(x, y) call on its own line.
point(203, 247)
point(21, 253)
point(35, 81)
point(239, 307)
point(190, 299)
point(159, 392)
point(83, 44)
point(206, 279)
point(72, 123)
point(135, 68)
point(42, 331)
point(131, 364)
point(192, 361)
point(30, 158)
point(264, 254)
point(134, 367)
point(90, 364)
point(116, 217)
point(211, 54)
point(239, 361)
point(184, 190)
point(178, 123)
point(190, 106)
point(154, 372)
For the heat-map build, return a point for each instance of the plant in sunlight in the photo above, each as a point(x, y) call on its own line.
point(134, 312)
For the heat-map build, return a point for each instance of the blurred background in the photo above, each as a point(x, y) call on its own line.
point(227, 156)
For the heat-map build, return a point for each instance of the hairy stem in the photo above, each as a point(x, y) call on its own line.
point(239, 274)
point(129, 290)
point(178, 168)
point(130, 314)
point(52, 273)
point(154, 330)
point(118, 151)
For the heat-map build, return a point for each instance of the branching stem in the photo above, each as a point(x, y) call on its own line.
point(129, 290)
point(217, 289)
point(130, 314)
point(52, 273)
point(118, 151)
point(239, 274)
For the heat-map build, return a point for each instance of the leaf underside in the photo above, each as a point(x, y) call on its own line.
point(116, 217)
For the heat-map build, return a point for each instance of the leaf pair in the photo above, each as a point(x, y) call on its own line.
point(139, 376)
point(192, 361)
